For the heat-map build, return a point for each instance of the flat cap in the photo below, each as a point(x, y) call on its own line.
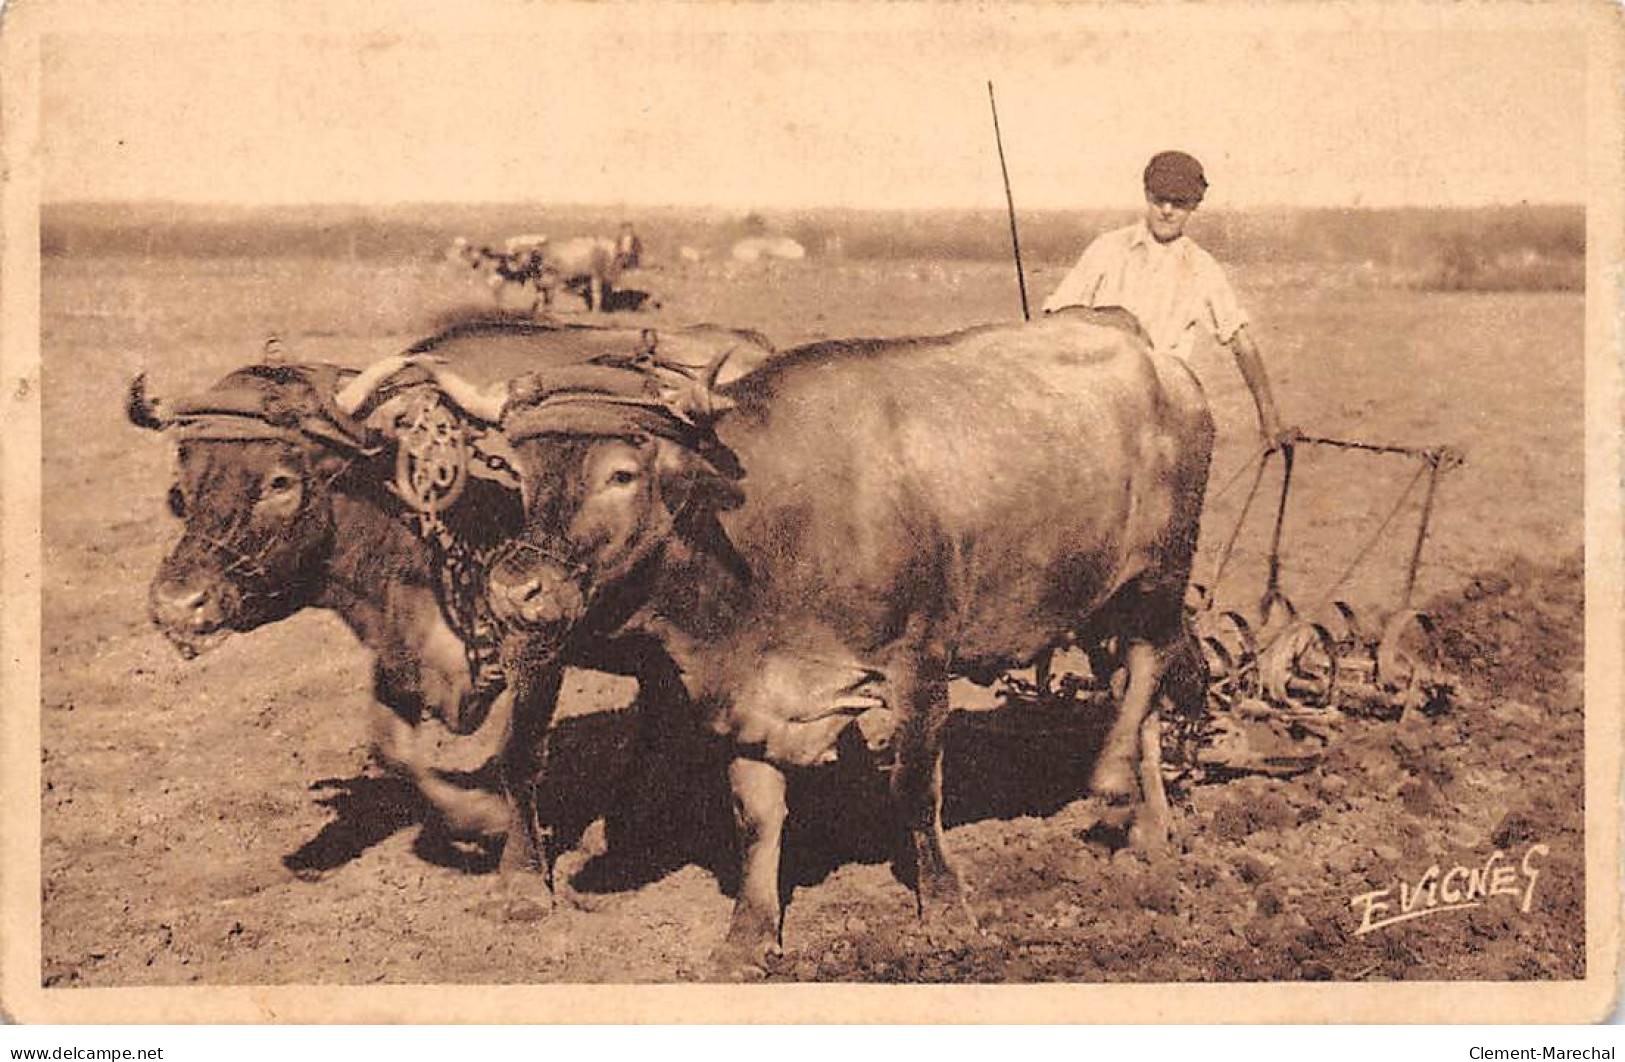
point(1176, 176)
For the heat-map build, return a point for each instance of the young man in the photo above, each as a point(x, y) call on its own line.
point(1156, 272)
point(628, 248)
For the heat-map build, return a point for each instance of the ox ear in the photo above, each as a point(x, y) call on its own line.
point(144, 412)
point(709, 476)
point(325, 463)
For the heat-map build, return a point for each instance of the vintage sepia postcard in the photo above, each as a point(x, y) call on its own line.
point(818, 512)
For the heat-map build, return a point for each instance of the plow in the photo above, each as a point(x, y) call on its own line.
point(1283, 678)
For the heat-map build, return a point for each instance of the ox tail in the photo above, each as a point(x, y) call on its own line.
point(142, 411)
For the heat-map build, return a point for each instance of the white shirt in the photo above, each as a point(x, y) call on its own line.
point(1171, 287)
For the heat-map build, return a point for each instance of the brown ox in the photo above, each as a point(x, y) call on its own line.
point(288, 494)
point(870, 519)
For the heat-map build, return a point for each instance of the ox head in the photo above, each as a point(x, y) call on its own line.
point(614, 462)
point(257, 457)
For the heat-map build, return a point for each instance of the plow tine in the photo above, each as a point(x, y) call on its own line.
point(1198, 598)
point(1278, 608)
point(1403, 652)
point(1220, 664)
point(1236, 637)
point(1347, 629)
point(1244, 634)
point(1300, 667)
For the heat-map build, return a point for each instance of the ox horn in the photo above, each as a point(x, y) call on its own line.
point(702, 401)
point(697, 400)
point(486, 405)
point(144, 412)
point(353, 395)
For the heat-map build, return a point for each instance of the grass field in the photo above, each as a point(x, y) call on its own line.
point(217, 821)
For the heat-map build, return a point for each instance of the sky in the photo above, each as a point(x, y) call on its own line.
point(800, 105)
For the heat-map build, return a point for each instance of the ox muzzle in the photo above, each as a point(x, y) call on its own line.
point(190, 611)
point(530, 591)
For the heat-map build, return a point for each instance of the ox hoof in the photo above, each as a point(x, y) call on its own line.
point(1114, 783)
point(524, 898)
point(1149, 836)
point(735, 963)
point(524, 909)
point(953, 937)
point(564, 874)
point(948, 922)
point(945, 912)
point(513, 909)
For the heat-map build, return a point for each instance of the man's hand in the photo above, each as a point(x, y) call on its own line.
point(1280, 438)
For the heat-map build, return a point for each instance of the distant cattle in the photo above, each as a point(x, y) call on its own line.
point(516, 265)
point(768, 248)
point(523, 244)
point(589, 266)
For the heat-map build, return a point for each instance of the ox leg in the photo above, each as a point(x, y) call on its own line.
point(663, 750)
point(595, 293)
point(1130, 762)
point(759, 812)
point(916, 787)
point(1114, 774)
point(1043, 671)
point(525, 866)
point(463, 813)
point(1183, 692)
point(1150, 830)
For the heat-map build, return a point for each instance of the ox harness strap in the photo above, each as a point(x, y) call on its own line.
point(436, 453)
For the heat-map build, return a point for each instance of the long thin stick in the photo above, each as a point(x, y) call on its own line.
point(1010, 202)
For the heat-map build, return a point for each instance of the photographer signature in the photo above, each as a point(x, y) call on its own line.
point(1455, 888)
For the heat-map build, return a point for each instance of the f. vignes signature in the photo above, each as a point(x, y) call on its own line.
point(1454, 888)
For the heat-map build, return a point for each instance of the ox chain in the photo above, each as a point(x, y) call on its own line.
point(432, 466)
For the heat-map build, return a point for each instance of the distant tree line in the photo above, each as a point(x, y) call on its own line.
point(1482, 248)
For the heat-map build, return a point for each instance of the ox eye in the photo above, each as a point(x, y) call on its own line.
point(280, 483)
point(177, 502)
point(622, 477)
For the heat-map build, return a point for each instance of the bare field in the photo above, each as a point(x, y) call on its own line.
point(218, 821)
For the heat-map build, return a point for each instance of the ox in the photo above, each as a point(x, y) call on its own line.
point(590, 266)
point(768, 248)
point(521, 266)
point(288, 491)
point(870, 519)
